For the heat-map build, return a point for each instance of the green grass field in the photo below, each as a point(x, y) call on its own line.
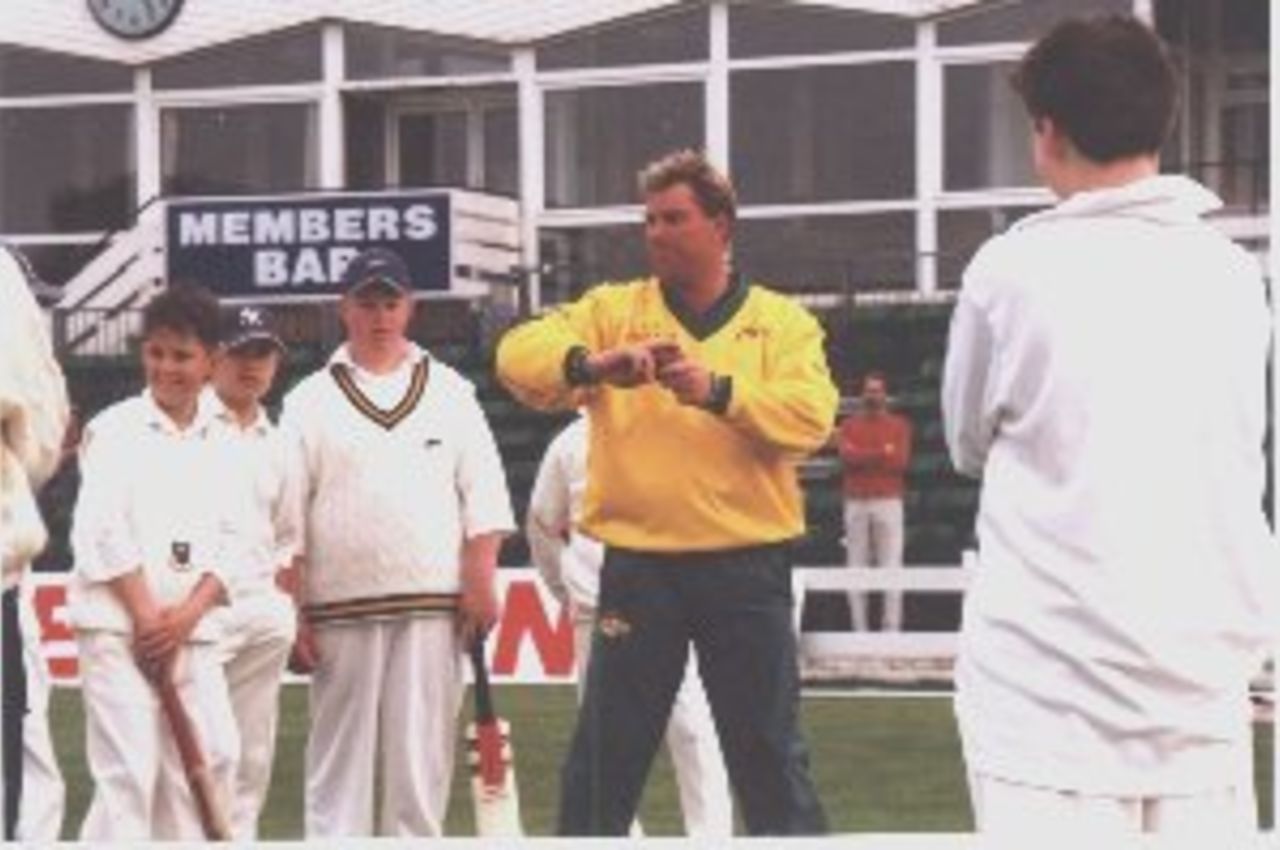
point(881, 764)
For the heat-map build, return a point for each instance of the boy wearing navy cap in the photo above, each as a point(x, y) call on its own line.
point(405, 506)
point(260, 624)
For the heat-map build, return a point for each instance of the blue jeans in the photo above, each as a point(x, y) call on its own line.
point(735, 608)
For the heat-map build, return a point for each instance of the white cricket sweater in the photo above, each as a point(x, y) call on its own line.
point(1106, 377)
point(392, 484)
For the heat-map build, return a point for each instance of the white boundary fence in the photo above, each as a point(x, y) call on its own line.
point(818, 646)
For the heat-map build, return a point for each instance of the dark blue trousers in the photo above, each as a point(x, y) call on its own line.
point(735, 608)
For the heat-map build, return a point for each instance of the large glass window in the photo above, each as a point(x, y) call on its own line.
point(599, 138)
point(27, 72)
point(232, 150)
point(457, 137)
point(1222, 137)
point(576, 258)
point(987, 137)
point(278, 58)
point(1024, 20)
point(962, 232)
point(433, 148)
point(365, 119)
point(830, 254)
point(380, 52)
point(793, 29)
point(502, 151)
point(680, 36)
point(1245, 175)
point(823, 134)
point(66, 170)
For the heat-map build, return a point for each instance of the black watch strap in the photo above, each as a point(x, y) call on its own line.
point(576, 372)
point(721, 394)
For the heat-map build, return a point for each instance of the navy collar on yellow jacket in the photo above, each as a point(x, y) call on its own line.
point(702, 325)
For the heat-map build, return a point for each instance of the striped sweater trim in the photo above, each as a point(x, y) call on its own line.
point(388, 419)
point(376, 607)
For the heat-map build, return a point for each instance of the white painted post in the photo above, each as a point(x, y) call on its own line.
point(929, 157)
point(531, 123)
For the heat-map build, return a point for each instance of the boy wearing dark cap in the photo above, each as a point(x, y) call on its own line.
point(405, 506)
point(260, 623)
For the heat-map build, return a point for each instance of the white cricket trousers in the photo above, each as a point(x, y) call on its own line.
point(1011, 814)
point(701, 778)
point(260, 627)
point(873, 535)
point(140, 790)
point(395, 681)
point(43, 800)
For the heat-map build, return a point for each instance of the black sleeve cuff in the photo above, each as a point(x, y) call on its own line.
point(576, 373)
point(721, 394)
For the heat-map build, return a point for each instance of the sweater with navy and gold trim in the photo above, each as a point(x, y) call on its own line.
point(668, 477)
point(397, 471)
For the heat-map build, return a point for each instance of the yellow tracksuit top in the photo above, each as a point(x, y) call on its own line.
point(667, 477)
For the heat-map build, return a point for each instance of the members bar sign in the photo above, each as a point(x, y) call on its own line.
point(298, 246)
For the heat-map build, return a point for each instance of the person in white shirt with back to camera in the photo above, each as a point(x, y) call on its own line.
point(34, 412)
point(570, 561)
point(1126, 589)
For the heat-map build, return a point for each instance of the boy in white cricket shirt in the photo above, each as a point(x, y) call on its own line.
point(1127, 584)
point(148, 535)
point(261, 621)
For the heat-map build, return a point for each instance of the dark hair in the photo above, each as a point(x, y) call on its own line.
point(1106, 82)
point(711, 189)
point(184, 309)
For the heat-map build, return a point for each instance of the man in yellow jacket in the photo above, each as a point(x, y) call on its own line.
point(704, 393)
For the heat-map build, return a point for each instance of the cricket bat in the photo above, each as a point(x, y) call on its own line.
point(489, 753)
point(213, 819)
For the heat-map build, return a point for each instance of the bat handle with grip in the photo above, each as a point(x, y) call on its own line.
point(480, 672)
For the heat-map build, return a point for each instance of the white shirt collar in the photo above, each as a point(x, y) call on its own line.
point(260, 425)
point(413, 355)
point(156, 417)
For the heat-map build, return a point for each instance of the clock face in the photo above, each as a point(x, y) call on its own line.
point(134, 18)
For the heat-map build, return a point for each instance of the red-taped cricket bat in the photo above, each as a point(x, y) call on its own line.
point(213, 818)
point(493, 780)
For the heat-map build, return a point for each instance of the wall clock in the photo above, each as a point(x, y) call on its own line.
point(134, 19)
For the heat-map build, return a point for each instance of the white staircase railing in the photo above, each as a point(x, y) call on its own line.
point(97, 313)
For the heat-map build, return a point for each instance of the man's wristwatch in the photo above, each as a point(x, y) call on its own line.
point(576, 371)
point(721, 392)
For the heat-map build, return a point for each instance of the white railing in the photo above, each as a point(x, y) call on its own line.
point(848, 645)
point(114, 284)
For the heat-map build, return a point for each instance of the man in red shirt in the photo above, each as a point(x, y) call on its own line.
point(875, 447)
